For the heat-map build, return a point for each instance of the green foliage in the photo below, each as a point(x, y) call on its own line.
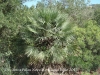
point(85, 45)
point(47, 34)
point(5, 68)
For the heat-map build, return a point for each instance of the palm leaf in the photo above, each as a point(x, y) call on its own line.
point(31, 29)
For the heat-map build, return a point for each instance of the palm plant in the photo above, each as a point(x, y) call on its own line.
point(48, 31)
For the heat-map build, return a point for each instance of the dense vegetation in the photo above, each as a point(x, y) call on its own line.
point(57, 34)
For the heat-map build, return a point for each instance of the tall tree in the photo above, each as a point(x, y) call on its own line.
point(96, 8)
point(79, 10)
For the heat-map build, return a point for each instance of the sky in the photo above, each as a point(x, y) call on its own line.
point(34, 2)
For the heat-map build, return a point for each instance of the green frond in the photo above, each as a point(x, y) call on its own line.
point(31, 29)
